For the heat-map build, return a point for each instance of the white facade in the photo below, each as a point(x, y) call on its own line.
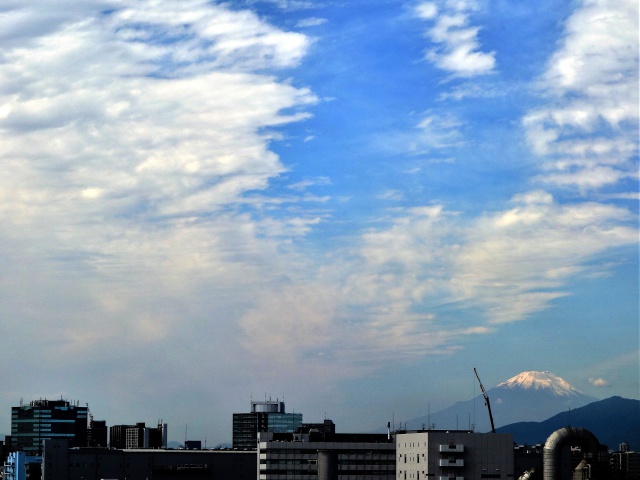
point(454, 455)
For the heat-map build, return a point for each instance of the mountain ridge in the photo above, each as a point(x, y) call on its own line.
point(613, 420)
point(529, 396)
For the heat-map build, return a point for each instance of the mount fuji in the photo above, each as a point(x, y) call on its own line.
point(527, 397)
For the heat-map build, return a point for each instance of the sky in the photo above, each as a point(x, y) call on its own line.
point(345, 205)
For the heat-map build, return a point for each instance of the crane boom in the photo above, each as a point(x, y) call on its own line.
point(486, 401)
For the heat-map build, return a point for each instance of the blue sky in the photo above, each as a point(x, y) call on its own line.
point(348, 205)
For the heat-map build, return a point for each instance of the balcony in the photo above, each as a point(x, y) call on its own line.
point(451, 462)
point(451, 448)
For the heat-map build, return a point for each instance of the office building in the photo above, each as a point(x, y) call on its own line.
point(267, 416)
point(138, 436)
point(47, 419)
point(326, 456)
point(97, 433)
point(454, 454)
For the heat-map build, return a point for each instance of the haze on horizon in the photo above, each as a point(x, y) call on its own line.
point(345, 205)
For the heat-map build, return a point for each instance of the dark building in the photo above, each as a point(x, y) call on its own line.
point(63, 463)
point(326, 427)
point(97, 436)
point(118, 436)
point(47, 419)
point(267, 416)
point(137, 436)
point(625, 464)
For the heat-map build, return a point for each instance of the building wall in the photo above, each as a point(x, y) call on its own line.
point(63, 463)
point(455, 454)
point(345, 457)
point(16, 464)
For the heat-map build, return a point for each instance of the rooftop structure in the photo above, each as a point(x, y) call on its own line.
point(267, 416)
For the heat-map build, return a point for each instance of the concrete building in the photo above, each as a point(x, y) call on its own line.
point(325, 456)
point(20, 466)
point(267, 416)
point(454, 454)
point(138, 436)
point(63, 463)
point(47, 419)
point(625, 464)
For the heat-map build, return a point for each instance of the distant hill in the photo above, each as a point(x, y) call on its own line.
point(613, 421)
point(529, 396)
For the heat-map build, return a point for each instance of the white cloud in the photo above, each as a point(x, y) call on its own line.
point(588, 130)
point(311, 22)
point(130, 140)
point(599, 382)
point(458, 50)
point(515, 262)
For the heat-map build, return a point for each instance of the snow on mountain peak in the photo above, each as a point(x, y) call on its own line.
point(540, 381)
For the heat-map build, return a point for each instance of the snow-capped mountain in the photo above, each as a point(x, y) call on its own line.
point(540, 381)
point(527, 397)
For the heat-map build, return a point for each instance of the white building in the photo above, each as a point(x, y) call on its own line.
point(454, 455)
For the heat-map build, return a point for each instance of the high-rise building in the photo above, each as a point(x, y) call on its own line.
point(47, 419)
point(267, 416)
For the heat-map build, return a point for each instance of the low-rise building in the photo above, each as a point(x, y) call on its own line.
point(325, 456)
point(63, 463)
point(20, 466)
point(454, 454)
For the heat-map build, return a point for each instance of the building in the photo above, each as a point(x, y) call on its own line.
point(118, 436)
point(267, 416)
point(20, 466)
point(63, 463)
point(325, 456)
point(138, 436)
point(97, 433)
point(625, 464)
point(47, 419)
point(454, 454)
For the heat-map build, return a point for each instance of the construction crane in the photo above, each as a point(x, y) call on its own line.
point(486, 401)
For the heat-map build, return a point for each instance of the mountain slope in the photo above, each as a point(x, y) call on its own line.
point(613, 421)
point(528, 396)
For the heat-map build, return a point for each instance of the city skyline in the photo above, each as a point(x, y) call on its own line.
point(344, 205)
